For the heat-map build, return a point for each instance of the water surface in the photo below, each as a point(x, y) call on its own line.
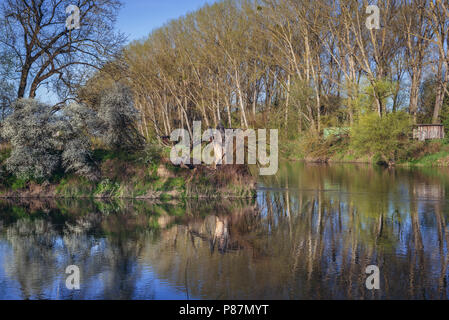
point(310, 234)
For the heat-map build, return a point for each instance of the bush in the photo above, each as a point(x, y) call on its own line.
point(321, 149)
point(152, 154)
point(107, 188)
point(77, 157)
point(43, 142)
point(32, 132)
point(119, 119)
point(386, 138)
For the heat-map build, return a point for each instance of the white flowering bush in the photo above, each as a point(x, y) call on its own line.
point(119, 119)
point(32, 132)
point(79, 122)
point(44, 141)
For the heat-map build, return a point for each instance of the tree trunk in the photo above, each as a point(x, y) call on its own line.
point(287, 101)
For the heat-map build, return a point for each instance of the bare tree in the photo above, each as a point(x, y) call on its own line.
point(45, 52)
point(438, 13)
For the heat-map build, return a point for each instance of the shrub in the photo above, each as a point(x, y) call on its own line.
point(320, 149)
point(43, 142)
point(152, 154)
point(107, 188)
point(77, 154)
point(387, 138)
point(119, 120)
point(32, 132)
point(77, 158)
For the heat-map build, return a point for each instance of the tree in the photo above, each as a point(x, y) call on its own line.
point(7, 94)
point(418, 30)
point(293, 63)
point(6, 98)
point(384, 137)
point(45, 52)
point(438, 14)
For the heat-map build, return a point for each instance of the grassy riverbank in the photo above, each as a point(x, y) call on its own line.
point(387, 140)
point(339, 150)
point(134, 176)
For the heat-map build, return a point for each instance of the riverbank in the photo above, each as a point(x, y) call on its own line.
point(416, 154)
point(124, 176)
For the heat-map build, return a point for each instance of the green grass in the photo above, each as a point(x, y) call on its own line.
point(108, 189)
point(123, 175)
point(291, 149)
point(75, 187)
point(18, 184)
point(432, 160)
point(174, 184)
point(101, 155)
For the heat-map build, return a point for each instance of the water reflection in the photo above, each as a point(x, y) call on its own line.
point(310, 234)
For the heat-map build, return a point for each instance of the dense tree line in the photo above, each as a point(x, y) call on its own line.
point(302, 65)
point(299, 65)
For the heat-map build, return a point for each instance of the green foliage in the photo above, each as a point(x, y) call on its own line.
point(107, 189)
point(321, 149)
point(5, 154)
point(18, 184)
point(432, 160)
point(174, 184)
point(141, 188)
point(291, 149)
point(364, 102)
point(75, 187)
point(152, 154)
point(102, 155)
point(386, 138)
point(429, 154)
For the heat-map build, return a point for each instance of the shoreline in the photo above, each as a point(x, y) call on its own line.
point(127, 179)
point(409, 164)
point(162, 198)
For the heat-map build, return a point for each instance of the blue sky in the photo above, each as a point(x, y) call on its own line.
point(139, 17)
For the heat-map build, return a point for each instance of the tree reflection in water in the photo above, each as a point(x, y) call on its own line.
point(310, 234)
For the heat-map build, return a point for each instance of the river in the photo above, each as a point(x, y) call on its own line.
point(310, 234)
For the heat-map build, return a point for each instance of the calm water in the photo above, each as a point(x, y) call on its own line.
point(309, 235)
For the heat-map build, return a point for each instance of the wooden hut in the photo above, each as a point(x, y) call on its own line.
point(425, 132)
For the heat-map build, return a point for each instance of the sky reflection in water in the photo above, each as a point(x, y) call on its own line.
point(310, 234)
